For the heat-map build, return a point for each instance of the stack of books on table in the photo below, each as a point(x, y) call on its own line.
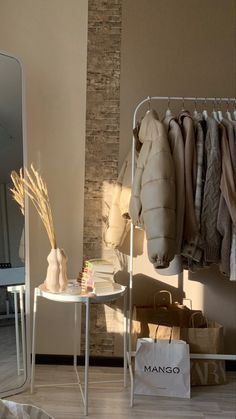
point(98, 277)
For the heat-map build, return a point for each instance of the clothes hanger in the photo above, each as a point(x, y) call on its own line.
point(195, 112)
point(214, 112)
point(154, 112)
point(219, 112)
point(234, 111)
point(149, 104)
point(204, 112)
point(228, 114)
point(168, 110)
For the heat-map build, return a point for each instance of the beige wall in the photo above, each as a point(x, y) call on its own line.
point(182, 48)
point(50, 38)
point(168, 48)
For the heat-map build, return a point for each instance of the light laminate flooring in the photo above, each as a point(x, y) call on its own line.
point(111, 400)
point(8, 362)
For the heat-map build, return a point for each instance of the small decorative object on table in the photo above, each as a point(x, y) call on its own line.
point(98, 277)
point(33, 185)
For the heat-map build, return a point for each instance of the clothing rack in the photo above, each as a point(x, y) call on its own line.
point(149, 99)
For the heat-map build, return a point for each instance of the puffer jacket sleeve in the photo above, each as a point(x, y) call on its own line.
point(135, 206)
point(117, 225)
point(159, 216)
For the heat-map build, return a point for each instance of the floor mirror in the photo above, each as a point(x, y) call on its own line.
point(14, 278)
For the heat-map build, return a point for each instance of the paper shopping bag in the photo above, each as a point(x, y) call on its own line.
point(205, 340)
point(144, 325)
point(162, 368)
point(162, 312)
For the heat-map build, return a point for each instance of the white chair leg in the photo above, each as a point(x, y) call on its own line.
point(33, 342)
point(17, 333)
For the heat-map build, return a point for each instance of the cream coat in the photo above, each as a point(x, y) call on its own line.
point(152, 203)
point(118, 223)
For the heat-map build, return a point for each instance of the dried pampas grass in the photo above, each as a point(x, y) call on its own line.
point(18, 191)
point(33, 185)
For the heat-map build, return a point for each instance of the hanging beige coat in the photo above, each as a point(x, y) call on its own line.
point(118, 223)
point(152, 204)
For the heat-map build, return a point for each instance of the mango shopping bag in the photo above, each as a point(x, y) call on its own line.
point(162, 368)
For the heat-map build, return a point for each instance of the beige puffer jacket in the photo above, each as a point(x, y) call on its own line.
point(152, 203)
point(118, 223)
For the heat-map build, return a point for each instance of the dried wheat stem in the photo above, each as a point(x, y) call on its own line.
point(36, 189)
point(18, 192)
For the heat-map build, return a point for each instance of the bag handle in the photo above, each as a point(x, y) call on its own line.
point(193, 317)
point(190, 302)
point(155, 337)
point(158, 293)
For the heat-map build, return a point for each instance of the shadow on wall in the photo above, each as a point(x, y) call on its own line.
point(144, 288)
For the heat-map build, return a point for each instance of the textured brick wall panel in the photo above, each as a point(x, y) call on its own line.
point(102, 146)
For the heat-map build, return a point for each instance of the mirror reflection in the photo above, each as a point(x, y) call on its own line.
point(12, 269)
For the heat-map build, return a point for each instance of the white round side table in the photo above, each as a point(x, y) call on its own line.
point(87, 299)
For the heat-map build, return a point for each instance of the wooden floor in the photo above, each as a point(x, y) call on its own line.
point(111, 400)
point(8, 363)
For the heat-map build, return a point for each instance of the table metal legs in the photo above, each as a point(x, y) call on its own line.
point(17, 334)
point(23, 335)
point(76, 328)
point(87, 335)
point(22, 314)
point(84, 392)
point(33, 341)
point(87, 332)
point(125, 328)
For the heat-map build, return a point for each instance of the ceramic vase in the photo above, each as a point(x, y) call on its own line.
point(62, 260)
point(52, 279)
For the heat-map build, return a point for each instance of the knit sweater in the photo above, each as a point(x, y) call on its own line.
point(233, 256)
point(224, 227)
point(224, 222)
point(211, 196)
point(228, 183)
point(233, 242)
point(199, 159)
point(231, 135)
point(193, 250)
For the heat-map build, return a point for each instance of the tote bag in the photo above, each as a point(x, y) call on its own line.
point(162, 368)
point(205, 340)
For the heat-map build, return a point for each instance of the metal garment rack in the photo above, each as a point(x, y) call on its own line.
point(149, 99)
